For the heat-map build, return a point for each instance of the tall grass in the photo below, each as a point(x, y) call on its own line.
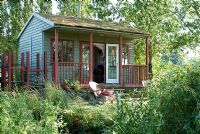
point(53, 111)
point(24, 112)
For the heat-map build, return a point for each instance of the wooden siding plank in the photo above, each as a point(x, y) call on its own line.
point(32, 35)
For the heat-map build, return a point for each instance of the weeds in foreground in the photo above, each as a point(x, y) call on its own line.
point(171, 105)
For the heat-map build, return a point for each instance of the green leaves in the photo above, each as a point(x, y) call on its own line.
point(14, 15)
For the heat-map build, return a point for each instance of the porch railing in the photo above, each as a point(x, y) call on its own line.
point(74, 71)
point(134, 74)
point(131, 74)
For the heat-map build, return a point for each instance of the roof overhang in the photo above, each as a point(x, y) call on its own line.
point(54, 25)
point(89, 29)
point(30, 18)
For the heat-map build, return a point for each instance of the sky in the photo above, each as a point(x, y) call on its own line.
point(54, 7)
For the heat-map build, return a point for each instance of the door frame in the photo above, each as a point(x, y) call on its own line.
point(117, 63)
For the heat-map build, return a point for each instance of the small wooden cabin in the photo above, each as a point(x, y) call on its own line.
point(84, 49)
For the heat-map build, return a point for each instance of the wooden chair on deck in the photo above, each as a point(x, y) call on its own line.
point(99, 91)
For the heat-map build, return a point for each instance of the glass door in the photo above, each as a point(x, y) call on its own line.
point(112, 66)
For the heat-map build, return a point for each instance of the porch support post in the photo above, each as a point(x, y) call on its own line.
point(147, 56)
point(91, 56)
point(120, 59)
point(56, 58)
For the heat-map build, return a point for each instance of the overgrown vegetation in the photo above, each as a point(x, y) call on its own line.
point(53, 111)
point(71, 85)
point(27, 113)
point(169, 105)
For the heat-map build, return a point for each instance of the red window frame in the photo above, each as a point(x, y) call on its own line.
point(61, 51)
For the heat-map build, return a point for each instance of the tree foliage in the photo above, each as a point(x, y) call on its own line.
point(172, 24)
point(14, 15)
point(70, 7)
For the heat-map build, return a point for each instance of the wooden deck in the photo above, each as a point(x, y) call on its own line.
point(109, 86)
point(132, 75)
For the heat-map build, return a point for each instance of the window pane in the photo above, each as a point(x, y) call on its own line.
point(112, 67)
point(85, 53)
point(65, 51)
point(60, 52)
point(70, 51)
point(125, 54)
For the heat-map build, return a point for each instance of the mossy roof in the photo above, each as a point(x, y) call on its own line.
point(75, 22)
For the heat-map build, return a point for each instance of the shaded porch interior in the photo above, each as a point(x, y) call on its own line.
point(82, 56)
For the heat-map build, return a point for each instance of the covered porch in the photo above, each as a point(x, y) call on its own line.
point(102, 56)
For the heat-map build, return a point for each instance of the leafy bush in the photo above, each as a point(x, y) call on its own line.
point(26, 113)
point(71, 85)
point(171, 104)
point(87, 119)
point(137, 118)
point(56, 95)
point(179, 94)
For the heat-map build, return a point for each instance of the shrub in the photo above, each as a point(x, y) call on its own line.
point(56, 95)
point(179, 94)
point(171, 104)
point(137, 118)
point(86, 120)
point(71, 85)
point(26, 113)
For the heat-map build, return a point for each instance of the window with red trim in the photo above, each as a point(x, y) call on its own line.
point(65, 51)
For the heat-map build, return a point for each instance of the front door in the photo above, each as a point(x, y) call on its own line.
point(112, 66)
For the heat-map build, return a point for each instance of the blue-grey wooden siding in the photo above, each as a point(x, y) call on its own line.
point(31, 40)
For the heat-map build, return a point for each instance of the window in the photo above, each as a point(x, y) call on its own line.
point(125, 54)
point(85, 52)
point(65, 51)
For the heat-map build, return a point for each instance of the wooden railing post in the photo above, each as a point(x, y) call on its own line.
point(53, 74)
point(138, 69)
point(4, 71)
point(10, 70)
point(56, 58)
point(45, 65)
point(28, 69)
point(120, 59)
point(22, 68)
point(91, 56)
point(80, 63)
point(38, 66)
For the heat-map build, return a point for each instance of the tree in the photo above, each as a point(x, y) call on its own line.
point(14, 15)
point(171, 24)
point(44, 6)
point(70, 7)
point(101, 9)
